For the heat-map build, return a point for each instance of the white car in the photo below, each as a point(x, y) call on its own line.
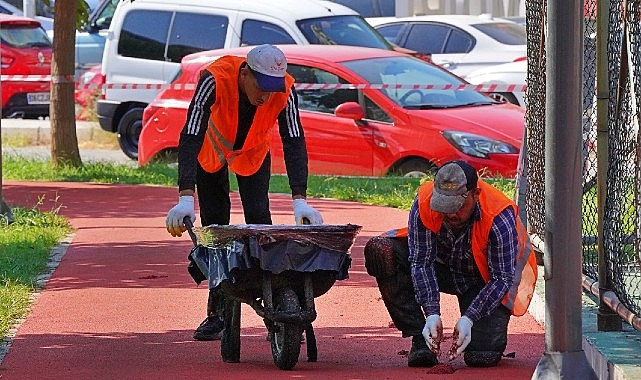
point(148, 38)
point(459, 43)
point(513, 73)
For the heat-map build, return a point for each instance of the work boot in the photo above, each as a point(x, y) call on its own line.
point(210, 329)
point(482, 358)
point(420, 355)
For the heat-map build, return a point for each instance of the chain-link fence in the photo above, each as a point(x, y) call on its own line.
point(622, 190)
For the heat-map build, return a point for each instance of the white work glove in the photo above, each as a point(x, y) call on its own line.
point(433, 333)
point(462, 336)
point(175, 216)
point(304, 211)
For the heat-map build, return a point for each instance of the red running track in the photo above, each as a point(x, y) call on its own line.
point(121, 304)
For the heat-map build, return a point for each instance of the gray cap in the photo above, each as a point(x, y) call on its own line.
point(452, 181)
point(269, 66)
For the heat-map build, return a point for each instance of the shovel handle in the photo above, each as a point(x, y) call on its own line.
point(190, 230)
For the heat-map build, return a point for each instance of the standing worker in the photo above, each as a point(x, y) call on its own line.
point(229, 122)
point(463, 238)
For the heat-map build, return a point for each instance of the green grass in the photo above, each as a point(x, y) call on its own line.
point(25, 245)
point(396, 192)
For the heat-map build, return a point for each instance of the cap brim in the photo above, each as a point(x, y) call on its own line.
point(269, 83)
point(447, 204)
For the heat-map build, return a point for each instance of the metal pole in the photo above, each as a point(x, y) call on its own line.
point(607, 320)
point(564, 357)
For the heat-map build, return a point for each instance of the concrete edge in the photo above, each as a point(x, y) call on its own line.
point(595, 343)
point(55, 257)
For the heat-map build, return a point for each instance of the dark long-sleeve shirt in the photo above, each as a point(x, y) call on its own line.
point(193, 135)
point(455, 251)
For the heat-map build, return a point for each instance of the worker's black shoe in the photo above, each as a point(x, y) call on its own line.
point(210, 329)
point(420, 355)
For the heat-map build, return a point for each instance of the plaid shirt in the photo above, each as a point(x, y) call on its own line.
point(455, 252)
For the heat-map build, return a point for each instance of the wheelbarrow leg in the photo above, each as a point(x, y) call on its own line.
point(230, 340)
point(312, 349)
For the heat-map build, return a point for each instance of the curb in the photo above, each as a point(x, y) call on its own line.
point(38, 132)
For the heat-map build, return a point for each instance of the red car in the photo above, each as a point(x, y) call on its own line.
point(365, 112)
point(25, 49)
point(88, 85)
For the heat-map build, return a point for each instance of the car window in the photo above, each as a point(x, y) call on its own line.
point(459, 42)
point(427, 38)
point(320, 100)
point(255, 32)
point(401, 74)
point(185, 39)
point(103, 19)
point(374, 112)
point(391, 32)
point(21, 36)
point(342, 30)
point(144, 34)
point(508, 33)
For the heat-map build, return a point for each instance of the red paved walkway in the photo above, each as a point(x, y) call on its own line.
point(121, 304)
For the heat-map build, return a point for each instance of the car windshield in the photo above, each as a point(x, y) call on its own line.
point(342, 30)
point(414, 84)
point(24, 36)
point(508, 33)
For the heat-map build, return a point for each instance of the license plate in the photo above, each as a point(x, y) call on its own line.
point(38, 98)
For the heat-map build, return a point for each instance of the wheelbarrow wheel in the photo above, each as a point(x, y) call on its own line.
point(285, 338)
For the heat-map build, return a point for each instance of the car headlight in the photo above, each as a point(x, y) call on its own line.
point(477, 146)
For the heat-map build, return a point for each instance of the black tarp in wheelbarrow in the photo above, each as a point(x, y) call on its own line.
point(278, 270)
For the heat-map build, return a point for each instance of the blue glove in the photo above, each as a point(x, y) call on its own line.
point(175, 217)
point(304, 211)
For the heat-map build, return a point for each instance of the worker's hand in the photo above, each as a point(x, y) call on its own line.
point(175, 216)
point(462, 336)
point(304, 211)
point(433, 333)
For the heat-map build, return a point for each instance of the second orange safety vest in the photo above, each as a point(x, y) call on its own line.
point(492, 202)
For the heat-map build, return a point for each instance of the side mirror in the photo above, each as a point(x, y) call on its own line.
point(350, 110)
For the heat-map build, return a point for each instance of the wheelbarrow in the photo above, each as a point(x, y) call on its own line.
point(278, 270)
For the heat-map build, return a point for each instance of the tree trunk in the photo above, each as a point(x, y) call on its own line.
point(64, 140)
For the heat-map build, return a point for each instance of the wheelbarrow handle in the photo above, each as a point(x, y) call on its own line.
point(190, 230)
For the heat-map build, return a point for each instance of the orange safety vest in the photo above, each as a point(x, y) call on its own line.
point(218, 146)
point(492, 202)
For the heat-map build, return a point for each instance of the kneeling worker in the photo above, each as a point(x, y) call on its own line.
point(464, 238)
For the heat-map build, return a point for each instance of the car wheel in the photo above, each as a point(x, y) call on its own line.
point(504, 97)
point(416, 168)
point(129, 129)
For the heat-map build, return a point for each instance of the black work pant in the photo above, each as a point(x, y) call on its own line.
point(397, 291)
point(215, 206)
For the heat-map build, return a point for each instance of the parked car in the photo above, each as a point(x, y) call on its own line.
point(148, 38)
point(46, 21)
point(25, 49)
point(503, 74)
point(459, 43)
point(90, 41)
point(371, 8)
point(88, 86)
point(389, 124)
